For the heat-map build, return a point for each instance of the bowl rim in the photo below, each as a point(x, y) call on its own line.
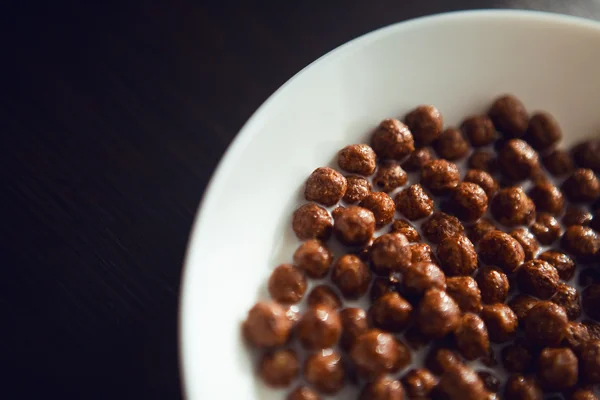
point(250, 129)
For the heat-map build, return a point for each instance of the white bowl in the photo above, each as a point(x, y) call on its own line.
point(459, 62)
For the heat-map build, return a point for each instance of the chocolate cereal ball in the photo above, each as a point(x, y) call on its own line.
point(426, 123)
point(417, 159)
point(546, 229)
point(576, 216)
point(414, 203)
point(562, 262)
point(457, 256)
point(389, 176)
point(479, 129)
point(484, 180)
point(325, 186)
point(589, 359)
point(538, 278)
point(358, 189)
point(558, 162)
point(468, 201)
point(557, 369)
point(512, 207)
point(547, 198)
point(437, 314)
point(517, 160)
point(351, 276)
point(382, 388)
point(483, 160)
point(439, 176)
point(354, 226)
point(314, 258)
point(419, 383)
point(527, 240)
point(517, 357)
point(421, 252)
point(501, 249)
point(325, 371)
point(422, 276)
point(545, 324)
point(278, 368)
point(472, 337)
point(476, 231)
point(390, 253)
point(451, 145)
point(465, 292)
point(267, 325)
point(519, 387)
point(501, 322)
point(568, 298)
point(509, 116)
point(375, 353)
point(521, 304)
point(405, 228)
point(576, 335)
point(441, 226)
point(323, 295)
point(493, 284)
point(354, 323)
point(582, 186)
point(591, 301)
point(381, 205)
point(543, 131)
point(358, 159)
point(462, 383)
point(587, 154)
point(287, 284)
point(390, 312)
point(303, 393)
point(319, 327)
point(392, 140)
point(582, 242)
point(312, 222)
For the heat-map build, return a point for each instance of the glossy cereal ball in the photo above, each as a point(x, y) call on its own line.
point(517, 160)
point(512, 207)
point(543, 131)
point(479, 129)
point(382, 388)
point(509, 116)
point(392, 140)
point(278, 368)
point(325, 186)
point(437, 314)
point(375, 353)
point(311, 221)
point(358, 159)
point(426, 124)
point(267, 325)
point(325, 371)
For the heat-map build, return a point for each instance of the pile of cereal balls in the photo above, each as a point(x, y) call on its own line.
point(480, 286)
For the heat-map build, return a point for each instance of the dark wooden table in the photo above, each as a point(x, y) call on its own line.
point(112, 120)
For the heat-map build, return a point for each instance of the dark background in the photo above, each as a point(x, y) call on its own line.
point(112, 120)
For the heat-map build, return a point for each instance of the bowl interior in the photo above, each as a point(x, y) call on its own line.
point(458, 62)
